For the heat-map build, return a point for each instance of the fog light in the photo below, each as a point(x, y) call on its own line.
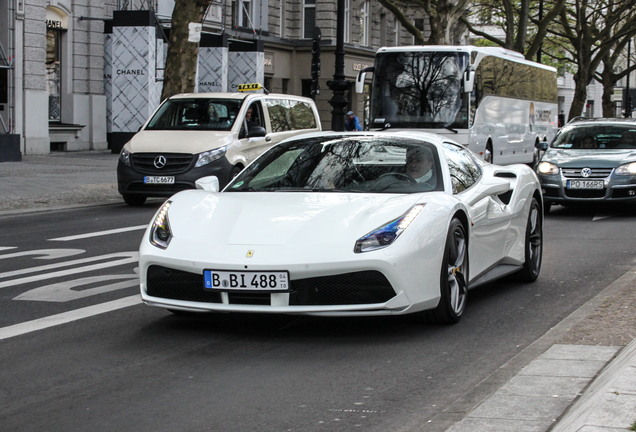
point(631, 192)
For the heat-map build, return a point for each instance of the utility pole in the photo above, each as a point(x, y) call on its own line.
point(339, 85)
point(628, 99)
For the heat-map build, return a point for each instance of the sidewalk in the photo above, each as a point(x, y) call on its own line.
point(579, 377)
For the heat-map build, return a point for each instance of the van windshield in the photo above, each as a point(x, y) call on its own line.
point(196, 114)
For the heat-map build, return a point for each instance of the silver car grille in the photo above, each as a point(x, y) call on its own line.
point(595, 172)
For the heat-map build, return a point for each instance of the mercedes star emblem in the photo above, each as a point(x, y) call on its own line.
point(160, 162)
point(586, 172)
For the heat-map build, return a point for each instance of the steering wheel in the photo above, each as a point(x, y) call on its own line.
point(399, 176)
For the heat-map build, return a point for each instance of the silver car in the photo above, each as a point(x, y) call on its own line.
point(590, 160)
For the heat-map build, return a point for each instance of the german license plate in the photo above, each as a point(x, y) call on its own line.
point(585, 184)
point(159, 179)
point(246, 281)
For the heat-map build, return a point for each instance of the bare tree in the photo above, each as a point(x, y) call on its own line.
point(513, 18)
point(182, 57)
point(593, 30)
point(608, 77)
point(442, 15)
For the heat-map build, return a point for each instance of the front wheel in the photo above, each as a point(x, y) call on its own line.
point(533, 244)
point(453, 277)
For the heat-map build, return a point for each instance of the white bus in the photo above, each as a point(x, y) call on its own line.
point(489, 99)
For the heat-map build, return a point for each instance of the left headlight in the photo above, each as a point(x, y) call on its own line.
point(547, 168)
point(627, 169)
point(124, 156)
point(160, 233)
point(388, 233)
point(210, 156)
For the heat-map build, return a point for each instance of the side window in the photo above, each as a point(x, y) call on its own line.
point(286, 115)
point(253, 117)
point(464, 171)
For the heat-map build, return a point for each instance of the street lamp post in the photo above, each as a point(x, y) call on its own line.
point(339, 85)
point(628, 100)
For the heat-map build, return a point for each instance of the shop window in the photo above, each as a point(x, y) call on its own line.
point(53, 73)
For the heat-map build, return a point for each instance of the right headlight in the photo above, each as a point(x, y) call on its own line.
point(547, 168)
point(210, 156)
point(160, 233)
point(385, 235)
point(124, 156)
point(627, 169)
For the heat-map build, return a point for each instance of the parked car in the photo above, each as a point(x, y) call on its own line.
point(368, 223)
point(590, 160)
point(203, 134)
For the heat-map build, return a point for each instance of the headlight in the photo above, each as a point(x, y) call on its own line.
point(160, 234)
point(124, 156)
point(387, 234)
point(210, 156)
point(627, 169)
point(547, 168)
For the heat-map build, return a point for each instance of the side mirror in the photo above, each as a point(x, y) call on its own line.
point(362, 75)
point(542, 145)
point(256, 131)
point(469, 81)
point(495, 186)
point(210, 184)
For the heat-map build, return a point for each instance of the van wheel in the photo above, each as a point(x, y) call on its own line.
point(134, 200)
point(235, 171)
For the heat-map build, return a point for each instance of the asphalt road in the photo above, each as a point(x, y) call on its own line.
point(139, 368)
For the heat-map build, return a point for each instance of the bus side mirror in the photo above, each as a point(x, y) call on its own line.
point(362, 75)
point(469, 81)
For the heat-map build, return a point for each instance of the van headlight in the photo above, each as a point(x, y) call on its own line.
point(627, 169)
point(210, 156)
point(160, 233)
point(547, 168)
point(124, 156)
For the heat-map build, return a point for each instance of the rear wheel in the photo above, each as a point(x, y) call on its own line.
point(453, 278)
point(134, 200)
point(533, 244)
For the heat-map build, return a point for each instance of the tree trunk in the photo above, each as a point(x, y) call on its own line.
point(581, 81)
point(182, 58)
point(607, 79)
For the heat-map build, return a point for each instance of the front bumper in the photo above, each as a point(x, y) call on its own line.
point(130, 179)
point(615, 189)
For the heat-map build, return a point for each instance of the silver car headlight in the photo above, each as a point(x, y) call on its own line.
point(388, 233)
point(210, 156)
point(160, 233)
point(124, 156)
point(547, 168)
point(627, 169)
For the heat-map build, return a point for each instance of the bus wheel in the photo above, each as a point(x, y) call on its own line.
point(488, 156)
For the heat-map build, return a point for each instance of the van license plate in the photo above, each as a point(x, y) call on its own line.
point(159, 180)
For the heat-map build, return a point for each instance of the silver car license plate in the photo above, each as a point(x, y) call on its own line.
point(246, 281)
point(159, 179)
point(585, 184)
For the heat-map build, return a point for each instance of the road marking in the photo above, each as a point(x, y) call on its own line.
point(49, 254)
point(66, 317)
point(127, 257)
point(69, 290)
point(7, 247)
point(100, 233)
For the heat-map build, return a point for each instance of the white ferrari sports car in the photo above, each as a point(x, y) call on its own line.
point(368, 223)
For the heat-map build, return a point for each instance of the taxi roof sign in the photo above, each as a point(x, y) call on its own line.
point(249, 87)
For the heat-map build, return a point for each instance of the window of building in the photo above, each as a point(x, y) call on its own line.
point(54, 72)
point(283, 19)
point(419, 24)
point(396, 32)
point(347, 20)
point(364, 23)
point(251, 14)
point(309, 18)
point(383, 29)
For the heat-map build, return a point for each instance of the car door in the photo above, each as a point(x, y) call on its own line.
point(253, 116)
point(289, 117)
point(489, 216)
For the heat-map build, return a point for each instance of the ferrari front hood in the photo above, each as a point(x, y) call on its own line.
point(282, 218)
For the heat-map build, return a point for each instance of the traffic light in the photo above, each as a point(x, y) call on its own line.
point(315, 62)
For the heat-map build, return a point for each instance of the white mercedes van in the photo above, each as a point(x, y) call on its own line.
point(207, 134)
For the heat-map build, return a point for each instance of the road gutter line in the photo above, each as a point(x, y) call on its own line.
point(66, 317)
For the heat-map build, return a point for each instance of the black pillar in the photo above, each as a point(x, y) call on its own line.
point(339, 85)
point(628, 99)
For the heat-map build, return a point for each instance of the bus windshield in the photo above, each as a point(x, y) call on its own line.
point(419, 90)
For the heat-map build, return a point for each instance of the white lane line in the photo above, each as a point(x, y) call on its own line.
point(7, 247)
point(100, 233)
point(66, 317)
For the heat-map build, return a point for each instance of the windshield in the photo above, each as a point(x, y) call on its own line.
point(593, 137)
point(344, 164)
point(419, 89)
point(196, 114)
